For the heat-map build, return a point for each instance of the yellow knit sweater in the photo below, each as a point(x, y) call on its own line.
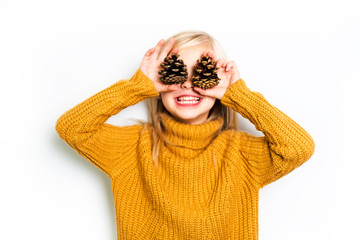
point(186, 197)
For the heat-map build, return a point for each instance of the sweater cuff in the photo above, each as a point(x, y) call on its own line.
point(140, 79)
point(246, 102)
point(234, 91)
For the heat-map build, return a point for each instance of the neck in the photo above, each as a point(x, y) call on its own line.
point(188, 137)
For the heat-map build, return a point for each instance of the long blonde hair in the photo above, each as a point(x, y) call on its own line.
point(155, 106)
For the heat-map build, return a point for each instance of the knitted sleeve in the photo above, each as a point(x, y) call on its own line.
point(83, 127)
point(285, 146)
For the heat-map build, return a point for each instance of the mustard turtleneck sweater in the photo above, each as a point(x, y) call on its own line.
point(187, 196)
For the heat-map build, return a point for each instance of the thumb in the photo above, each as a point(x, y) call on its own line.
point(172, 87)
point(211, 92)
point(200, 91)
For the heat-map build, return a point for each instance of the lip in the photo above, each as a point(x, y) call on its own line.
point(187, 95)
point(188, 105)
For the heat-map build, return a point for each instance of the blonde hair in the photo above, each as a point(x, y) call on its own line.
point(155, 106)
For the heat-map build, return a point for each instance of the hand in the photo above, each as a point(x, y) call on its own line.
point(150, 65)
point(227, 72)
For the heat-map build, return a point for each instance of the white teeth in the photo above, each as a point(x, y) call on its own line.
point(188, 98)
point(188, 102)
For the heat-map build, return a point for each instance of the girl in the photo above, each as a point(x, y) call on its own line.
point(189, 173)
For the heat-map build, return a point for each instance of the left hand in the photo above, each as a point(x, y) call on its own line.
point(227, 72)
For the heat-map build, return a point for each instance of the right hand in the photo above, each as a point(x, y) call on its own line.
point(150, 65)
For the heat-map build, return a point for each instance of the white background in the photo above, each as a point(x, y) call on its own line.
point(303, 56)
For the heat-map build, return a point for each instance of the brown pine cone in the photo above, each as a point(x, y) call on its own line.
point(205, 73)
point(175, 71)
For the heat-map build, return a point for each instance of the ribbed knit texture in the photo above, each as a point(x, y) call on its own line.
point(187, 196)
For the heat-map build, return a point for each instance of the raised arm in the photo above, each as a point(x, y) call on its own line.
point(285, 146)
point(83, 127)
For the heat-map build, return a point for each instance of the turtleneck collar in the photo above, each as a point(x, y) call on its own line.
point(194, 136)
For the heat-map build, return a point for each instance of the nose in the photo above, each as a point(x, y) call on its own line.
point(187, 84)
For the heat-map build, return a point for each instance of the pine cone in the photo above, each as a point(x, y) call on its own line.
point(205, 73)
point(175, 70)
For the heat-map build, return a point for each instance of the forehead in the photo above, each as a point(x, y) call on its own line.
point(191, 54)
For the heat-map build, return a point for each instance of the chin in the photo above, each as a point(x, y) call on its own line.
point(189, 117)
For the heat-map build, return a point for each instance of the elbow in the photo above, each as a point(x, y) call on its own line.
point(70, 131)
point(64, 128)
point(60, 126)
point(299, 152)
point(309, 148)
point(305, 150)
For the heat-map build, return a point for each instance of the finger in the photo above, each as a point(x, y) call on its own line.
point(203, 54)
point(173, 87)
point(158, 45)
point(167, 48)
point(175, 50)
point(168, 88)
point(150, 51)
point(200, 91)
point(204, 92)
point(230, 65)
point(211, 54)
point(206, 53)
point(220, 63)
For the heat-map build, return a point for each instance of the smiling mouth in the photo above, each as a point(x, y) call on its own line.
point(188, 101)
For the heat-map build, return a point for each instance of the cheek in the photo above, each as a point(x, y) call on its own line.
point(167, 100)
point(209, 101)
